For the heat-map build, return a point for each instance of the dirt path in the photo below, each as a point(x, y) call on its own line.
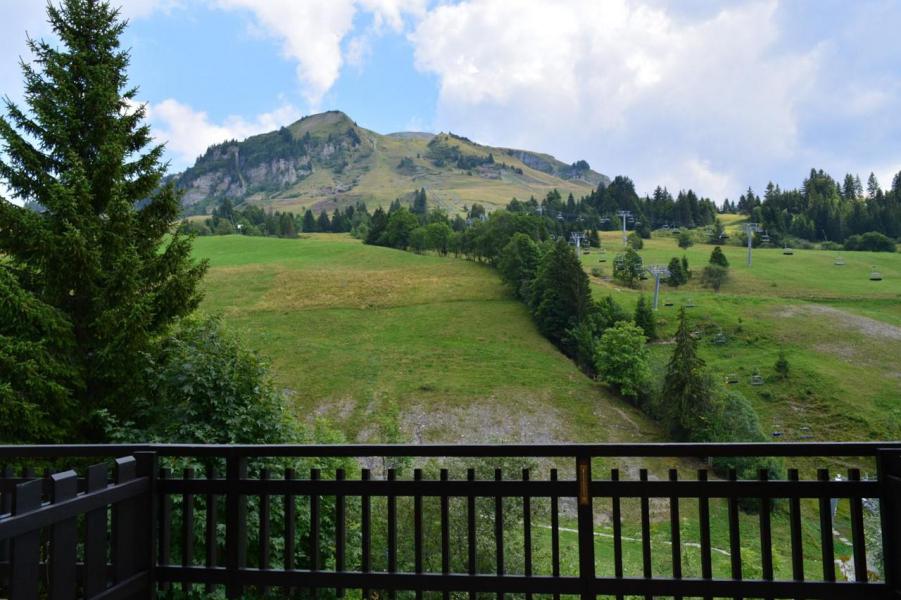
point(865, 325)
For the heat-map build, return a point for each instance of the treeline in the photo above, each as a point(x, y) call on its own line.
point(598, 335)
point(253, 220)
point(823, 209)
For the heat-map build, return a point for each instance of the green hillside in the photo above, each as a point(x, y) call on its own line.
point(349, 327)
point(327, 160)
point(841, 332)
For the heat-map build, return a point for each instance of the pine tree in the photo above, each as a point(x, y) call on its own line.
point(323, 224)
point(644, 318)
point(686, 398)
point(676, 274)
point(420, 203)
point(309, 221)
point(718, 258)
point(104, 256)
point(561, 296)
point(782, 366)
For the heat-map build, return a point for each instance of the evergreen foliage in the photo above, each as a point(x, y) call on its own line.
point(644, 318)
point(718, 258)
point(561, 296)
point(100, 265)
point(677, 276)
point(687, 397)
point(714, 276)
point(628, 267)
point(518, 264)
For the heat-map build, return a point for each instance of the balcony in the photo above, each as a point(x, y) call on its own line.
point(647, 520)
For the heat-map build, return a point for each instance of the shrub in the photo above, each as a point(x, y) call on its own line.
point(718, 258)
point(622, 359)
point(205, 388)
point(644, 318)
point(677, 275)
point(782, 366)
point(684, 240)
point(714, 276)
point(628, 267)
point(872, 241)
point(635, 241)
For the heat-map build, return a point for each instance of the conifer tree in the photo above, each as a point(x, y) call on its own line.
point(104, 257)
point(561, 295)
point(644, 318)
point(309, 221)
point(323, 224)
point(718, 258)
point(686, 398)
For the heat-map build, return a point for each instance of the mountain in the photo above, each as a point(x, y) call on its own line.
point(326, 160)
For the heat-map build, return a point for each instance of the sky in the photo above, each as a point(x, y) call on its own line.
point(713, 96)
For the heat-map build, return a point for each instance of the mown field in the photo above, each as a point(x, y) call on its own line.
point(352, 330)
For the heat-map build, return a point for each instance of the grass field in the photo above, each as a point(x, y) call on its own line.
point(350, 327)
point(841, 332)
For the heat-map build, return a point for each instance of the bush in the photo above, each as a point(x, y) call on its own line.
point(685, 240)
point(714, 276)
point(677, 275)
point(205, 388)
point(622, 359)
point(628, 267)
point(872, 241)
point(782, 366)
point(635, 241)
point(718, 258)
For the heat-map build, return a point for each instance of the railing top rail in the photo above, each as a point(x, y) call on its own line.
point(785, 449)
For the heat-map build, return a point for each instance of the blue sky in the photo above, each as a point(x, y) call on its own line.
point(715, 96)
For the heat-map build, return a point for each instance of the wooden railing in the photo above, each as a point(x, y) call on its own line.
point(231, 521)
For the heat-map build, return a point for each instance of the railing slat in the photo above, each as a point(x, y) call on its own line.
point(555, 534)
point(857, 532)
point(766, 534)
point(123, 525)
point(95, 536)
point(734, 532)
point(392, 531)
point(235, 524)
point(826, 544)
point(340, 536)
point(315, 553)
point(165, 526)
point(471, 530)
point(527, 533)
point(704, 528)
point(290, 528)
point(212, 520)
point(645, 531)
point(187, 529)
point(63, 540)
point(675, 532)
point(499, 530)
point(445, 533)
point(794, 518)
point(616, 517)
point(365, 532)
point(25, 548)
point(265, 519)
point(417, 530)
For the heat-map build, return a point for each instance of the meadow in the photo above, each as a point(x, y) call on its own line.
point(394, 346)
point(840, 331)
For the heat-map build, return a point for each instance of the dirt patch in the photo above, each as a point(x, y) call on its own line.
point(864, 325)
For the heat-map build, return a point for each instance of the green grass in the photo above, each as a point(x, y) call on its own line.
point(348, 327)
point(841, 333)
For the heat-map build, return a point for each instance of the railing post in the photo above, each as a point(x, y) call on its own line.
point(586, 526)
point(26, 548)
point(235, 524)
point(889, 470)
point(147, 466)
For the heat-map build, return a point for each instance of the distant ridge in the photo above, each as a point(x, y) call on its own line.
point(327, 160)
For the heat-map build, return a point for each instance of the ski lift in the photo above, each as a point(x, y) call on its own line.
point(720, 339)
point(757, 379)
point(875, 275)
point(731, 378)
point(765, 238)
point(643, 276)
point(602, 259)
point(839, 261)
point(689, 303)
point(668, 303)
point(777, 434)
point(787, 251)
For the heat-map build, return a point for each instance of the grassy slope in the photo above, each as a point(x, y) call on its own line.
point(377, 180)
point(841, 333)
point(349, 326)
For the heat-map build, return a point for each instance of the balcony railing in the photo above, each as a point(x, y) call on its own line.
point(577, 520)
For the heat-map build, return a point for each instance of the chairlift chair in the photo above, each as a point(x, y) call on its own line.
point(731, 378)
point(787, 251)
point(875, 275)
point(839, 261)
point(668, 303)
point(757, 379)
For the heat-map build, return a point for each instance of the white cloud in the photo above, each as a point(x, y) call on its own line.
point(311, 33)
point(628, 86)
point(188, 132)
